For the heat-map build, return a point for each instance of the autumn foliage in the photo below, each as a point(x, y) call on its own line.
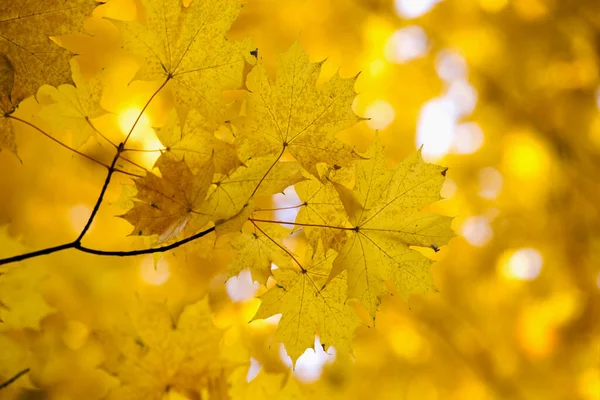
point(176, 131)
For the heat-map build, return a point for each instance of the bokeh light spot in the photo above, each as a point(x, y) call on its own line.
point(468, 138)
point(523, 264)
point(490, 183)
point(406, 44)
point(450, 66)
point(477, 230)
point(526, 157)
point(414, 8)
point(381, 114)
point(435, 128)
point(154, 274)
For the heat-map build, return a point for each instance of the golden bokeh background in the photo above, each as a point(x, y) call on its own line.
point(503, 92)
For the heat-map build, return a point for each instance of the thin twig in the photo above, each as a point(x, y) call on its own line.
point(145, 151)
point(144, 109)
point(289, 253)
point(280, 208)
point(14, 378)
point(56, 140)
point(134, 163)
point(265, 175)
point(100, 133)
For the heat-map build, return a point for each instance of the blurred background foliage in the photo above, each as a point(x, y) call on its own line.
point(503, 92)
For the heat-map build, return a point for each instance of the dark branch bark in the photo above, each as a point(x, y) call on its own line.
point(129, 253)
point(14, 378)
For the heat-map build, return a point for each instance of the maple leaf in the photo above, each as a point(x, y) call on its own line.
point(188, 45)
point(165, 355)
point(384, 209)
point(294, 114)
point(167, 205)
point(257, 248)
point(25, 30)
point(322, 211)
point(72, 108)
point(260, 176)
point(308, 307)
point(197, 143)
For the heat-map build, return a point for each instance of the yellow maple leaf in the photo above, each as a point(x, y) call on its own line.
point(196, 142)
point(188, 46)
point(384, 210)
point(293, 114)
point(257, 248)
point(165, 355)
point(321, 209)
point(25, 31)
point(167, 205)
point(260, 176)
point(72, 108)
point(308, 307)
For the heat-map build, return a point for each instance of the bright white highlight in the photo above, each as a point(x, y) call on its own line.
point(438, 130)
point(464, 97)
point(241, 287)
point(154, 274)
point(524, 264)
point(414, 8)
point(406, 44)
point(254, 370)
point(309, 365)
point(477, 230)
point(468, 138)
point(289, 198)
point(490, 183)
point(435, 128)
point(381, 113)
point(451, 66)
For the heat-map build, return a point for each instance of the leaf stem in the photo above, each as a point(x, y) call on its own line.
point(280, 208)
point(56, 140)
point(144, 109)
point(289, 253)
point(265, 175)
point(14, 378)
point(89, 122)
point(267, 221)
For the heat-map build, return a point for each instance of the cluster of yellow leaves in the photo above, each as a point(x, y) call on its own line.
point(360, 218)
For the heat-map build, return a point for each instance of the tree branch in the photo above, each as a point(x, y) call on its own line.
point(42, 252)
point(144, 251)
point(12, 380)
point(111, 170)
point(77, 246)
